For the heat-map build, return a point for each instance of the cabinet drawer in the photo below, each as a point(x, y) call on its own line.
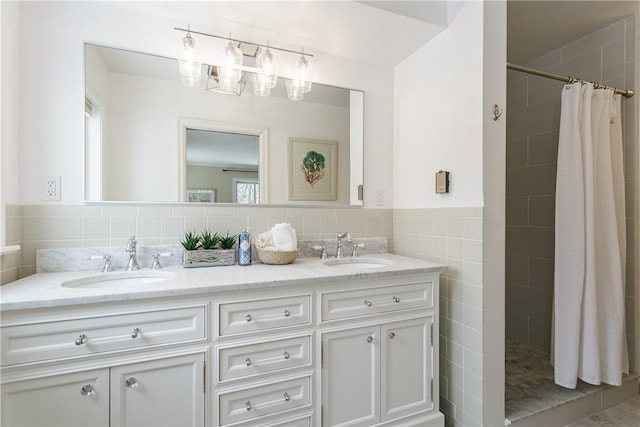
point(262, 315)
point(80, 337)
point(250, 403)
point(362, 302)
point(255, 359)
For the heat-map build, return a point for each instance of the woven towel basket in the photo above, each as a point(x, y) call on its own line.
point(270, 256)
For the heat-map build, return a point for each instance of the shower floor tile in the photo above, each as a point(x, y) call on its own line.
point(529, 387)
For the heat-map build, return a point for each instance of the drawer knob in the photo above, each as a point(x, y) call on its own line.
point(247, 405)
point(395, 299)
point(287, 397)
point(286, 355)
point(367, 303)
point(87, 390)
point(131, 382)
point(248, 317)
point(287, 313)
point(247, 361)
point(82, 339)
point(135, 333)
point(392, 335)
point(369, 338)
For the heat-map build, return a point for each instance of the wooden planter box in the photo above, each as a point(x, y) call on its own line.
point(208, 257)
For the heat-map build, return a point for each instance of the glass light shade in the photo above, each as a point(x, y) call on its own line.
point(190, 64)
point(261, 84)
point(302, 75)
point(216, 83)
point(293, 92)
point(267, 68)
point(230, 72)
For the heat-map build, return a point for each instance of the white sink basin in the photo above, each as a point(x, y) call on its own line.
point(357, 263)
point(117, 280)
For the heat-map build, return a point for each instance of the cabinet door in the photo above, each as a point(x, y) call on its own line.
point(350, 367)
point(164, 392)
point(74, 399)
point(406, 363)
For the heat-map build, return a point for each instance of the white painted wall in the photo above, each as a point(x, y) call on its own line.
point(437, 119)
point(9, 82)
point(51, 109)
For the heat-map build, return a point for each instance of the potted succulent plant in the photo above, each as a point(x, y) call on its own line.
point(206, 250)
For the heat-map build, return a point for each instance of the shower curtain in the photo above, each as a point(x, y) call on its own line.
point(590, 241)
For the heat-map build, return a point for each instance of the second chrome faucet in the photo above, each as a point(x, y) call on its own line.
point(339, 250)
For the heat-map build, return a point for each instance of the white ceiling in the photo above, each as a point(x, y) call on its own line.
point(344, 28)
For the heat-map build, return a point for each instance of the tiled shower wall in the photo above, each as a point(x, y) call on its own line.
point(76, 226)
point(533, 118)
point(452, 236)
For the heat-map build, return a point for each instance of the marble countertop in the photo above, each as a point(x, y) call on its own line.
point(46, 290)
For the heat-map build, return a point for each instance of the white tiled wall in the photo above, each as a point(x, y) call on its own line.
point(72, 226)
point(452, 236)
point(533, 118)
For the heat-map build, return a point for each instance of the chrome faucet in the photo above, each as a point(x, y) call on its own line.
point(133, 260)
point(339, 251)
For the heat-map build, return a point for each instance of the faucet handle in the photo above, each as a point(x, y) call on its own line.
point(156, 259)
point(322, 248)
point(107, 262)
point(354, 254)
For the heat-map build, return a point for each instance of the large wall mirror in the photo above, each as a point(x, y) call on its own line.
point(148, 138)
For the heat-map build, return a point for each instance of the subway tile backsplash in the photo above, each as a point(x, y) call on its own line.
point(50, 226)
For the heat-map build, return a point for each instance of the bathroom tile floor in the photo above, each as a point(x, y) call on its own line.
point(529, 386)
point(625, 414)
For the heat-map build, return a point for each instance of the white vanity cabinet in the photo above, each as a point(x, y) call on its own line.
point(307, 345)
point(264, 359)
point(379, 355)
point(105, 365)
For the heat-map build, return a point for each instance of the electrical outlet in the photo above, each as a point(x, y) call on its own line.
point(51, 189)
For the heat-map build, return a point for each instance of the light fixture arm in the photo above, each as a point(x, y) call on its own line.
point(266, 46)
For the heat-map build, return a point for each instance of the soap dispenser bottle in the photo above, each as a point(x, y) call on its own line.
point(244, 247)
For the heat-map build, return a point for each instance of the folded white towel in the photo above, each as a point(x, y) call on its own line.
point(284, 237)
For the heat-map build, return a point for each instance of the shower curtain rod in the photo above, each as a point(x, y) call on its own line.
point(627, 93)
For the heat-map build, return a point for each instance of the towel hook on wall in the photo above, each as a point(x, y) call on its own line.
point(496, 112)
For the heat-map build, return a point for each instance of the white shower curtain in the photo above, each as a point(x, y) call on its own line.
point(589, 323)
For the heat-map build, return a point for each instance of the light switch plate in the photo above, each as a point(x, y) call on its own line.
point(442, 182)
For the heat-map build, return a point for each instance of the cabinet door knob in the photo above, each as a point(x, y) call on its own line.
point(367, 303)
point(247, 405)
point(82, 339)
point(248, 317)
point(369, 338)
point(395, 299)
point(286, 355)
point(287, 313)
point(135, 333)
point(392, 335)
point(131, 382)
point(286, 397)
point(247, 361)
point(87, 390)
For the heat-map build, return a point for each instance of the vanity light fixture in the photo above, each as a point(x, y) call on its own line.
point(229, 78)
point(190, 64)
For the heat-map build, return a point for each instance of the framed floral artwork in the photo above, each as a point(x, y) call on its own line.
point(313, 169)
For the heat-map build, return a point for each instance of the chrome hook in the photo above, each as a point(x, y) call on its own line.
point(496, 112)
